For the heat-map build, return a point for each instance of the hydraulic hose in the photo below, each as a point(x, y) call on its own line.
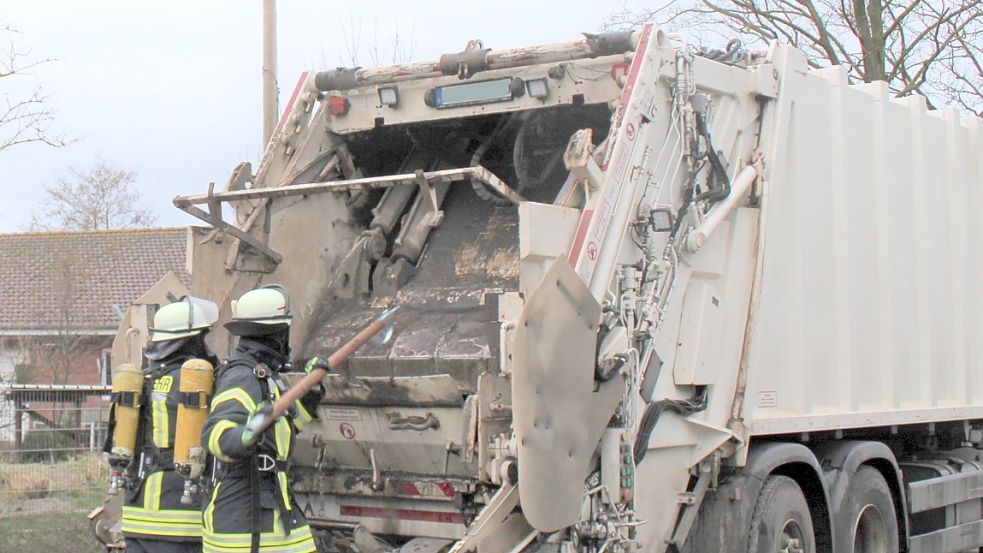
point(719, 174)
point(654, 411)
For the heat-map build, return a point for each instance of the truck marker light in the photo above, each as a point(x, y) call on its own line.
point(389, 96)
point(619, 71)
point(661, 219)
point(537, 88)
point(338, 105)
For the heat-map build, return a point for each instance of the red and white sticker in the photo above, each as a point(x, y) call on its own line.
point(592, 250)
point(347, 431)
point(592, 230)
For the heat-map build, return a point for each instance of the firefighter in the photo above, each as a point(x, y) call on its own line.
point(251, 507)
point(155, 520)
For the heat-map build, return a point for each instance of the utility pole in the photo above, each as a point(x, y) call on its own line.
point(270, 108)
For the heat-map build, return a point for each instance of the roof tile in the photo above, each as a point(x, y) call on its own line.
point(72, 280)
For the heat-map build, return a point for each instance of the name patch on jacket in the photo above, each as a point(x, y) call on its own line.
point(163, 384)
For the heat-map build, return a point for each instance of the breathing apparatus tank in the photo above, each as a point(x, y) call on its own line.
point(196, 384)
point(126, 398)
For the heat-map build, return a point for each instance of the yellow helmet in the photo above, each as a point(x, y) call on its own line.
point(258, 311)
point(186, 317)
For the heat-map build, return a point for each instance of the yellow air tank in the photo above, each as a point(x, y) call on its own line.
point(127, 389)
point(196, 387)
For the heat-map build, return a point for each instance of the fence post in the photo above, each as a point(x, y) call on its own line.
point(92, 435)
point(18, 432)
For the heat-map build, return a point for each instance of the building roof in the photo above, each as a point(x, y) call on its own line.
point(82, 281)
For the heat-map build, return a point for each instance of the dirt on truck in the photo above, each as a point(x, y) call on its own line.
point(651, 298)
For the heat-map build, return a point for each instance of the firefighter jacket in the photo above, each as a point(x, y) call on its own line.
point(251, 507)
point(152, 506)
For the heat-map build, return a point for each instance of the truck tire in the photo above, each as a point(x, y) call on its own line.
point(868, 508)
point(781, 522)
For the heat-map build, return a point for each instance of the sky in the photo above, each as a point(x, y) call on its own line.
point(172, 90)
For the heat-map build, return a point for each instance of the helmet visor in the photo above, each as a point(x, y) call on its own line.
point(208, 308)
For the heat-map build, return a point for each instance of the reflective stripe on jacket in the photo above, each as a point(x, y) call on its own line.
point(228, 517)
point(154, 509)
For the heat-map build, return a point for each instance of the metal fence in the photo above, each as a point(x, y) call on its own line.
point(50, 449)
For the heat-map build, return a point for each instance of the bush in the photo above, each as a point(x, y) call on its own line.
point(43, 445)
point(24, 373)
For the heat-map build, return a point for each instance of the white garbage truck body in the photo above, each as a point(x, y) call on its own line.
point(654, 299)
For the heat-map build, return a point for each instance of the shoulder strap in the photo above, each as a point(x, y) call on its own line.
point(254, 505)
point(107, 446)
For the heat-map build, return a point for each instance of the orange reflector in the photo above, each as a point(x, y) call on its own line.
point(338, 105)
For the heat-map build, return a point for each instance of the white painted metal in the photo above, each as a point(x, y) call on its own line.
point(834, 288)
point(739, 189)
point(870, 306)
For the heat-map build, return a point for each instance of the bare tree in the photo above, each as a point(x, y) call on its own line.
point(395, 50)
point(102, 197)
point(49, 357)
point(928, 47)
point(24, 118)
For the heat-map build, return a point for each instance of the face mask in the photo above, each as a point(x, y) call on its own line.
point(162, 350)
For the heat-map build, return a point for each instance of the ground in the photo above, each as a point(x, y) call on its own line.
point(43, 506)
point(48, 533)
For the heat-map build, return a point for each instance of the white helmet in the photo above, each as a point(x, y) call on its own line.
point(259, 310)
point(186, 317)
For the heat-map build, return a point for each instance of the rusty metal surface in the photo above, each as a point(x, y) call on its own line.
point(448, 323)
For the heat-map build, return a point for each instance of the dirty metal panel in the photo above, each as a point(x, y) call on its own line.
point(400, 439)
point(384, 517)
point(359, 482)
point(428, 390)
point(134, 330)
point(494, 419)
point(558, 417)
point(448, 322)
point(424, 545)
point(595, 84)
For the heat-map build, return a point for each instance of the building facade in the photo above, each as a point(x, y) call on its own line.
point(62, 295)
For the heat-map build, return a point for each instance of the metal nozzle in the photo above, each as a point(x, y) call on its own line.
point(116, 482)
point(388, 313)
point(189, 490)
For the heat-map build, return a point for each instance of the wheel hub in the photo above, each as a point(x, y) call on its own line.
point(791, 538)
point(870, 533)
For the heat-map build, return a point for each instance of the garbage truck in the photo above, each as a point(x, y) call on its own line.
point(652, 298)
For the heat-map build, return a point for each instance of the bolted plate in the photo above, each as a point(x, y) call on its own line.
point(558, 417)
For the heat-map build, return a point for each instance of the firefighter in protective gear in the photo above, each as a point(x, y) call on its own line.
point(251, 507)
point(154, 518)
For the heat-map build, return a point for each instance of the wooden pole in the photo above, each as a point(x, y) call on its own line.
point(270, 107)
point(303, 385)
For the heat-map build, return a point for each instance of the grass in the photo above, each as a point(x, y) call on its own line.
point(43, 506)
point(37, 480)
point(50, 532)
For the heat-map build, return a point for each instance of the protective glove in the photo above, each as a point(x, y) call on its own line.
point(317, 362)
point(313, 397)
point(258, 421)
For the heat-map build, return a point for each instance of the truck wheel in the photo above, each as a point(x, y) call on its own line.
point(869, 510)
point(781, 522)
